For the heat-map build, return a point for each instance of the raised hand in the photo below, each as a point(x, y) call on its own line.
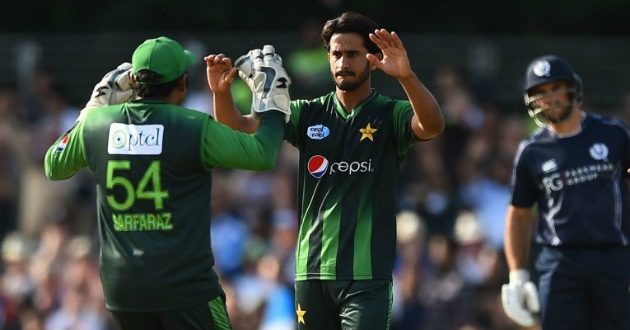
point(263, 72)
point(114, 88)
point(395, 61)
point(219, 72)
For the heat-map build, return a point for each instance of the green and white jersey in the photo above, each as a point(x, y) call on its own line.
point(348, 168)
point(152, 161)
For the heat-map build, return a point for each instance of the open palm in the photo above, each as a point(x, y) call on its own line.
point(395, 61)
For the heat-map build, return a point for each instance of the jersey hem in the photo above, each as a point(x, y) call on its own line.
point(322, 277)
point(163, 308)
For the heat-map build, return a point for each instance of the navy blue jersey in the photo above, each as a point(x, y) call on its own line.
point(578, 182)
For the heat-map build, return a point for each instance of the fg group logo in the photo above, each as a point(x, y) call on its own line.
point(318, 165)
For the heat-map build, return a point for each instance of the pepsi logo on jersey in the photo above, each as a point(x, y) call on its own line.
point(318, 165)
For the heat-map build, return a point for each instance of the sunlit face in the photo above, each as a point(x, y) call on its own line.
point(554, 99)
point(348, 64)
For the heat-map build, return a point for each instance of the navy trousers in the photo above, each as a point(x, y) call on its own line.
point(584, 288)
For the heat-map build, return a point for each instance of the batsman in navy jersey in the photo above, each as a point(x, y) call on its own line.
point(574, 169)
point(351, 143)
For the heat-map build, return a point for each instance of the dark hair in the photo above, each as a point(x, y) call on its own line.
point(151, 91)
point(351, 22)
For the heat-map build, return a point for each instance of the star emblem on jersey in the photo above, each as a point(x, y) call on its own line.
point(366, 133)
point(300, 314)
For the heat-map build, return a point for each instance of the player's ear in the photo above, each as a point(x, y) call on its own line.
point(183, 82)
point(375, 57)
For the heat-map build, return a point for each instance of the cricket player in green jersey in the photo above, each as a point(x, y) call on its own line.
point(351, 144)
point(151, 160)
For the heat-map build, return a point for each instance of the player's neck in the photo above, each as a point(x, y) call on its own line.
point(570, 126)
point(350, 99)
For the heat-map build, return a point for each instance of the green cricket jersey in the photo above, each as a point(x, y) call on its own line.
point(348, 169)
point(152, 161)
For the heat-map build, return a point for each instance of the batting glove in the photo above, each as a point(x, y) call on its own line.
point(263, 72)
point(520, 298)
point(114, 88)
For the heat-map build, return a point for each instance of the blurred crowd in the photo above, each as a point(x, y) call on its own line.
point(453, 194)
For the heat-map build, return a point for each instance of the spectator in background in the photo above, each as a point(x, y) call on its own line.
point(30, 319)
point(74, 313)
point(229, 231)
point(488, 194)
point(462, 114)
point(278, 310)
point(16, 284)
point(307, 64)
point(428, 189)
point(28, 141)
point(10, 109)
point(46, 265)
point(410, 269)
point(470, 238)
point(444, 294)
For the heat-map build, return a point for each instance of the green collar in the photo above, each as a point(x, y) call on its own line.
point(340, 109)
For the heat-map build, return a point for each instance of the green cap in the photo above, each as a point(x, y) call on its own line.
point(163, 56)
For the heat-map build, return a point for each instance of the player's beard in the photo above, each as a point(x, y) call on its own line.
point(563, 116)
point(361, 78)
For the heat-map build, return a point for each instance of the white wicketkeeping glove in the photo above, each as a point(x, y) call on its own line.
point(263, 72)
point(114, 88)
point(520, 298)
